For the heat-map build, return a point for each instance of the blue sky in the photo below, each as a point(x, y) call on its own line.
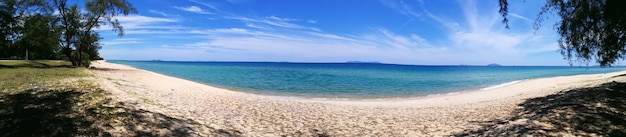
point(425, 32)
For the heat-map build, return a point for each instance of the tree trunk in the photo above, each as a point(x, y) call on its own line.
point(68, 54)
point(80, 53)
point(80, 58)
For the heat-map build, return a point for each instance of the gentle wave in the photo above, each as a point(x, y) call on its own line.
point(501, 85)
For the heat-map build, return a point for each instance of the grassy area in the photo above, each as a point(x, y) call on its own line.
point(51, 98)
point(34, 63)
point(19, 75)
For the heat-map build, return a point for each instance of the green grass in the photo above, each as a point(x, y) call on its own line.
point(52, 98)
point(19, 75)
point(34, 63)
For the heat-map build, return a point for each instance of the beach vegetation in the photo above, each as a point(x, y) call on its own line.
point(78, 25)
point(57, 29)
point(28, 30)
point(589, 29)
point(54, 98)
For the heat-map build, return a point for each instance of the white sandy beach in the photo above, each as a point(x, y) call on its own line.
point(259, 115)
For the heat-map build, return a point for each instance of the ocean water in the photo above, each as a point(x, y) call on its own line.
point(353, 80)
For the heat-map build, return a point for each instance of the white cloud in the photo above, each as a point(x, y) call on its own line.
point(137, 24)
point(152, 31)
point(121, 41)
point(401, 7)
point(381, 45)
point(274, 21)
point(158, 12)
point(520, 17)
point(206, 4)
point(477, 37)
point(251, 25)
point(282, 19)
point(237, 1)
point(153, 54)
point(142, 19)
point(194, 9)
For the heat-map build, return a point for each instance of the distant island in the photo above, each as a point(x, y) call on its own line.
point(494, 65)
point(370, 62)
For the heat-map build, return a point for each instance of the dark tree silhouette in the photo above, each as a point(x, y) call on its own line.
point(77, 24)
point(50, 29)
point(589, 29)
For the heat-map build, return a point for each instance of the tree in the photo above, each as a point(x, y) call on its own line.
point(40, 36)
point(7, 21)
point(77, 25)
point(92, 46)
point(589, 29)
point(25, 26)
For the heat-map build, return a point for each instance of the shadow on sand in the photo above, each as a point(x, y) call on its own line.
point(66, 113)
point(591, 111)
point(36, 64)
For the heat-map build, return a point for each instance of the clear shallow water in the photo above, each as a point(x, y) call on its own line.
point(353, 80)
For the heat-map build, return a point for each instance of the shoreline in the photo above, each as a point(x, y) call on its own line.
point(369, 94)
point(409, 96)
point(263, 115)
point(370, 99)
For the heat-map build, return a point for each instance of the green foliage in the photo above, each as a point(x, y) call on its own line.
point(40, 36)
point(84, 57)
point(589, 29)
point(27, 25)
point(78, 26)
point(48, 98)
point(30, 27)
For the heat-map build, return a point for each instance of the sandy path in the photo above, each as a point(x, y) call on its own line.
point(257, 115)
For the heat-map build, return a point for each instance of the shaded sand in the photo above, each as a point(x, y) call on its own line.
point(238, 113)
point(593, 111)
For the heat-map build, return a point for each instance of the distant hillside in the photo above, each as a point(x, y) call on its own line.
point(372, 62)
point(494, 65)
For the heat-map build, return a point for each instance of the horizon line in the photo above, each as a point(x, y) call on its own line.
point(360, 62)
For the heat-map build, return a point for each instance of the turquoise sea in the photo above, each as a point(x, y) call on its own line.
point(353, 80)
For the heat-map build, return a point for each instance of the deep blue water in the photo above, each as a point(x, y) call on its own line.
point(350, 80)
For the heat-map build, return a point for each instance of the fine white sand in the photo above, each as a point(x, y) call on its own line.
point(260, 115)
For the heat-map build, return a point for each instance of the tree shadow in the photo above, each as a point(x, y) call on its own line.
point(103, 69)
point(27, 114)
point(35, 64)
point(37, 112)
point(580, 112)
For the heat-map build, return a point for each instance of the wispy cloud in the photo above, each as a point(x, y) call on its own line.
point(274, 21)
point(237, 1)
point(520, 17)
point(401, 7)
point(211, 6)
point(194, 9)
point(137, 24)
point(475, 36)
point(145, 22)
point(478, 34)
point(379, 45)
point(252, 25)
point(143, 19)
point(158, 12)
point(121, 41)
point(282, 19)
